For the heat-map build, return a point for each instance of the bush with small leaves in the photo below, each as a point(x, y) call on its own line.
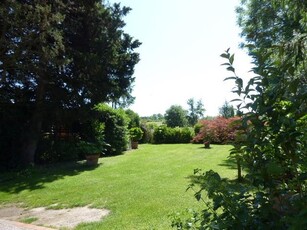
point(220, 130)
point(167, 135)
point(116, 133)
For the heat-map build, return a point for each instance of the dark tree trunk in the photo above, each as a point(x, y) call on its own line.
point(33, 135)
point(239, 170)
point(29, 149)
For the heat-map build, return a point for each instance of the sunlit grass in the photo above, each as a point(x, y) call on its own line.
point(141, 188)
point(29, 220)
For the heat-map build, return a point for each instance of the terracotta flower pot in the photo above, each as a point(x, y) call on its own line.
point(92, 159)
point(134, 144)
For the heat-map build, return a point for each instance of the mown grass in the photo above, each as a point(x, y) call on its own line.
point(29, 220)
point(141, 188)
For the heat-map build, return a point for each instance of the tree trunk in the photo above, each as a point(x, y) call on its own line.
point(29, 149)
point(33, 135)
point(239, 170)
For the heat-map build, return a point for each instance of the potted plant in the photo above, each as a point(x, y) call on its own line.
point(207, 144)
point(136, 134)
point(91, 150)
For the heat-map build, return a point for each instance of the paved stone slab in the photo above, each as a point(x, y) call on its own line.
point(13, 225)
point(59, 218)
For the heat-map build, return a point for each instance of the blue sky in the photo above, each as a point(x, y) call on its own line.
point(180, 52)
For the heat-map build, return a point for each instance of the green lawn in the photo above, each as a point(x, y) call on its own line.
point(141, 188)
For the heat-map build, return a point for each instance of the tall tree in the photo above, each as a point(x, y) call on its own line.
point(102, 55)
point(31, 55)
point(227, 110)
point(176, 116)
point(274, 23)
point(196, 111)
point(61, 55)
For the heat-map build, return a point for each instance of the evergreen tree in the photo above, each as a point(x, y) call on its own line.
point(59, 57)
point(227, 110)
point(176, 116)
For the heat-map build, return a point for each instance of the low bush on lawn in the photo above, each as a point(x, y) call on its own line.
point(218, 131)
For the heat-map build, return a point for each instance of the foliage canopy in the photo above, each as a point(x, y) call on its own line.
point(273, 144)
point(176, 116)
point(59, 57)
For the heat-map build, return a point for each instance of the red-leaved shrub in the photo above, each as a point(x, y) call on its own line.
point(220, 130)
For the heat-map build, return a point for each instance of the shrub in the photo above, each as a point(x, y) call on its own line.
point(115, 128)
point(52, 151)
point(148, 130)
point(64, 145)
point(227, 206)
point(160, 134)
point(168, 135)
point(90, 148)
point(134, 118)
point(186, 135)
point(218, 131)
point(135, 134)
point(197, 128)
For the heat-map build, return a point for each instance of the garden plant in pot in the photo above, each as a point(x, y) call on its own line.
point(91, 150)
point(208, 140)
point(136, 134)
point(207, 144)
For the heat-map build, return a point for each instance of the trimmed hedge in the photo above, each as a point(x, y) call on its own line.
point(168, 135)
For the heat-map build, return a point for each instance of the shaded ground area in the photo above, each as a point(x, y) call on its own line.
point(61, 218)
point(36, 177)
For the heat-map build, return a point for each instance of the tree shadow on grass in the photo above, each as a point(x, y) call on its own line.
point(229, 163)
point(199, 180)
point(36, 177)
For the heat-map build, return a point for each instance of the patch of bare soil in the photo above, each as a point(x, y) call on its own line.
point(61, 218)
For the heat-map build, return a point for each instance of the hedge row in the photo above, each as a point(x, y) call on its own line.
point(115, 132)
point(167, 135)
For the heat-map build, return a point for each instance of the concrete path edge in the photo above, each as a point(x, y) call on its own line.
point(13, 225)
